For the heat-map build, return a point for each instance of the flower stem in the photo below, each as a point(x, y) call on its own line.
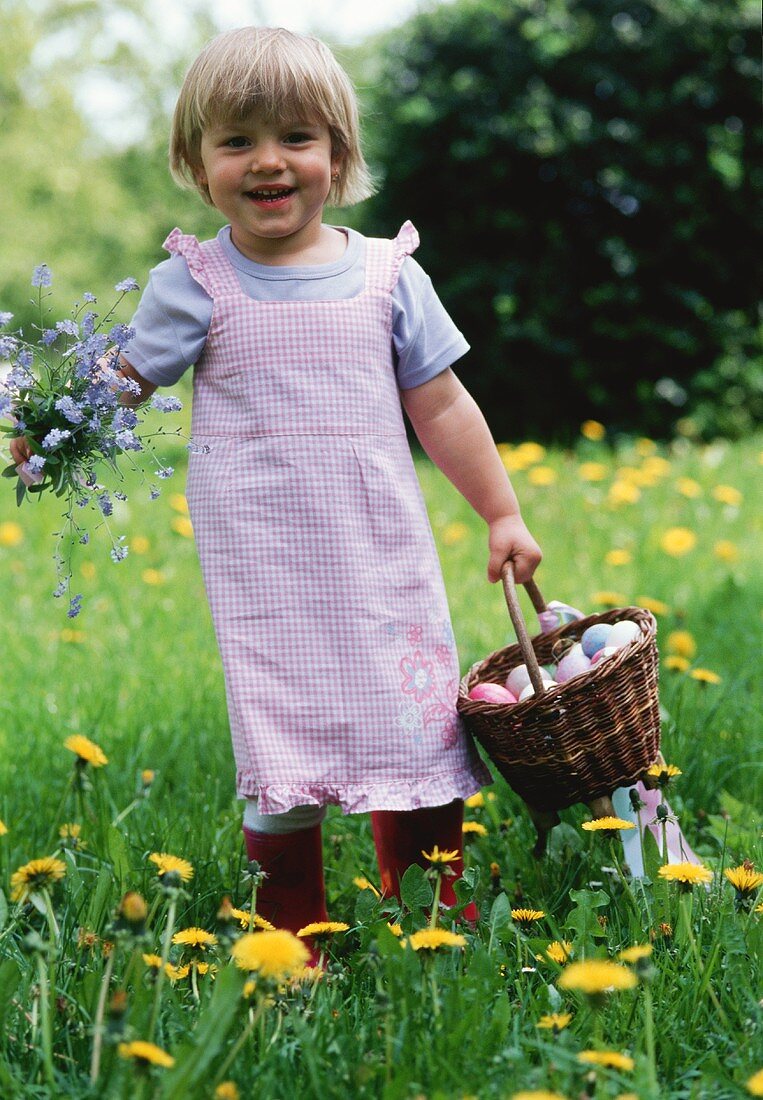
point(45, 1024)
point(168, 930)
point(649, 1041)
point(95, 1061)
point(253, 1018)
point(436, 903)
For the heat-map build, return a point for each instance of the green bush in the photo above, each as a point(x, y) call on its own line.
point(582, 177)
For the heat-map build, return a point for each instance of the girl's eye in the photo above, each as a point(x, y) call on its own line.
point(297, 137)
point(237, 142)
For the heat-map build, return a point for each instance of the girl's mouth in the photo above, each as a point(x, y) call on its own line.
point(270, 196)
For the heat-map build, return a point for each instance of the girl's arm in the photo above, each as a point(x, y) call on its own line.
point(453, 432)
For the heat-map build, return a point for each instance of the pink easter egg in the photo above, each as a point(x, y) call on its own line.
point(600, 654)
point(492, 693)
point(573, 663)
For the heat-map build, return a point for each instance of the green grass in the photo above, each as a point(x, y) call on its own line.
point(138, 673)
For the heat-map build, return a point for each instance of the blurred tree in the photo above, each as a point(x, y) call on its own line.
point(583, 176)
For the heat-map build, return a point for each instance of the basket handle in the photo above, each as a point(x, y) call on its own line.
point(517, 618)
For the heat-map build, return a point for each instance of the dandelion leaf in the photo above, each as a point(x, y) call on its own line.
point(415, 891)
point(500, 915)
point(118, 854)
point(365, 903)
point(3, 910)
point(583, 920)
point(10, 977)
point(99, 900)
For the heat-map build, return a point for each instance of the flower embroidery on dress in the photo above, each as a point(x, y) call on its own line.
point(418, 679)
point(415, 634)
point(411, 720)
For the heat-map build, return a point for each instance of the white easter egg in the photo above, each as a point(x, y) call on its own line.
point(528, 690)
point(623, 632)
point(517, 679)
point(601, 654)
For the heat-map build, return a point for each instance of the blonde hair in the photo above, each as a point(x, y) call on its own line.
point(283, 74)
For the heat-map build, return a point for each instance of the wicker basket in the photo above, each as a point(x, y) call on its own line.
point(582, 740)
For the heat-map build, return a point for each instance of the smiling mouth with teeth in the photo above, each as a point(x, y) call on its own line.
point(270, 194)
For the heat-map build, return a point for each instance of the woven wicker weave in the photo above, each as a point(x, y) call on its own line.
point(582, 740)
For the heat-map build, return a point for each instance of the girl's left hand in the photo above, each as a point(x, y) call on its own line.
point(509, 538)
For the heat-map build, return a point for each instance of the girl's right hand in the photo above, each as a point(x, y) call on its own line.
point(20, 450)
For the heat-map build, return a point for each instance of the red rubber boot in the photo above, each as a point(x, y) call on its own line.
point(400, 837)
point(293, 894)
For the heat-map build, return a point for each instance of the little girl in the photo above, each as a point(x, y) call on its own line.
point(322, 575)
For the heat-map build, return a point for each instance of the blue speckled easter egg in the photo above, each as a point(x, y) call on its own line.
point(595, 638)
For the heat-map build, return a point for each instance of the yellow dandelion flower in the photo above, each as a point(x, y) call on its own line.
point(527, 916)
point(167, 864)
point(597, 976)
point(321, 928)
point(196, 938)
point(70, 830)
point(363, 883)
point(537, 1094)
point(475, 801)
point(592, 471)
point(227, 1090)
point(204, 968)
point(705, 676)
point(656, 466)
point(431, 939)
point(277, 955)
point(152, 961)
point(86, 751)
point(139, 544)
point(593, 430)
point(152, 577)
point(395, 929)
point(11, 534)
point(725, 550)
point(473, 828)
point(182, 525)
point(688, 487)
point(453, 533)
point(681, 642)
point(678, 541)
point(755, 1084)
point(635, 953)
point(645, 447)
point(437, 857)
point(3, 828)
point(72, 637)
point(606, 825)
point(623, 492)
point(676, 664)
point(663, 773)
point(612, 1059)
point(178, 503)
point(727, 494)
point(657, 607)
point(686, 874)
point(147, 776)
point(542, 475)
point(554, 1021)
point(243, 917)
point(38, 874)
point(745, 879)
point(609, 599)
point(88, 570)
point(530, 452)
point(146, 1054)
point(176, 973)
point(559, 951)
point(618, 557)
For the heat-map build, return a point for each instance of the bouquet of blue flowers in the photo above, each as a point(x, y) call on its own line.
point(64, 394)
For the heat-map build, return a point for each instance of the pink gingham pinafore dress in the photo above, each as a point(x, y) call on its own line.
point(318, 559)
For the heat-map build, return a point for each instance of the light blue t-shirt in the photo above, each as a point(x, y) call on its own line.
point(173, 316)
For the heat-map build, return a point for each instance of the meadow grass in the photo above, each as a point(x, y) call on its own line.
point(138, 674)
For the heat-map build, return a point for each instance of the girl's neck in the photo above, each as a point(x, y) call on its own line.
point(327, 246)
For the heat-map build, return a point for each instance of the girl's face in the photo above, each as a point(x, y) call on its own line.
point(271, 181)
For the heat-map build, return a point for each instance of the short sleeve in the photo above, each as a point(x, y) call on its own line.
point(425, 337)
point(171, 324)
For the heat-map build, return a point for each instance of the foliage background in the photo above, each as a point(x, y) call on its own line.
point(582, 173)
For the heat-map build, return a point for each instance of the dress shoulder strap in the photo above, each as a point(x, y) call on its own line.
point(384, 257)
point(206, 261)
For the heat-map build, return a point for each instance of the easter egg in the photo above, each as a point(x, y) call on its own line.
point(528, 690)
point(595, 638)
point(600, 654)
point(623, 632)
point(573, 663)
point(517, 679)
point(491, 693)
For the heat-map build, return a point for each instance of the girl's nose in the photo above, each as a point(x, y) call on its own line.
point(267, 157)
